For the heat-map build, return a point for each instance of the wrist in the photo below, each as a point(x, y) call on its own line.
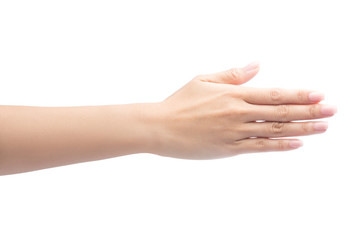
point(148, 134)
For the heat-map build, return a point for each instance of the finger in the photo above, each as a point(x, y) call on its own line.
point(253, 145)
point(281, 96)
point(234, 76)
point(286, 113)
point(280, 129)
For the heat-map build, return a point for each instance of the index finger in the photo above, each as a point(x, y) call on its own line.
point(274, 96)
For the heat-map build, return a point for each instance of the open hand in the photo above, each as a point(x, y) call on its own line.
point(214, 116)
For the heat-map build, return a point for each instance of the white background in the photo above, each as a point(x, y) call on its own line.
point(68, 53)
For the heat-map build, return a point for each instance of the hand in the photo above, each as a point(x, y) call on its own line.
point(213, 116)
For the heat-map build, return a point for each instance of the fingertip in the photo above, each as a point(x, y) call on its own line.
point(328, 110)
point(321, 126)
point(255, 65)
point(316, 97)
point(250, 71)
point(294, 144)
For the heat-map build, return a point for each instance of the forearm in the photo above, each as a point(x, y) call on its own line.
point(34, 138)
point(210, 117)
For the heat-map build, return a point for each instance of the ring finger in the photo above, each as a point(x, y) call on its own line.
point(280, 129)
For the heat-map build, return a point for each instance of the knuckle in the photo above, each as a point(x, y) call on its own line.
point(276, 94)
point(313, 111)
point(229, 110)
point(232, 111)
point(235, 73)
point(282, 112)
point(305, 127)
point(232, 93)
point(244, 109)
point(277, 127)
point(261, 144)
point(302, 96)
point(238, 112)
point(233, 148)
point(281, 145)
point(242, 131)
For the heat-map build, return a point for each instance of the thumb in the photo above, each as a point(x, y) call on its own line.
point(234, 76)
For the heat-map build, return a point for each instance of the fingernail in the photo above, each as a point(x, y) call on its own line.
point(321, 126)
point(295, 143)
point(252, 66)
point(328, 110)
point(316, 96)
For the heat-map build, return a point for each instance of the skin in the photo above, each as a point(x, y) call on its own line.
point(212, 116)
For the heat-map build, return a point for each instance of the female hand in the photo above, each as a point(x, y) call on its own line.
point(213, 116)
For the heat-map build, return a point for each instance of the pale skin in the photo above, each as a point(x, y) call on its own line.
point(212, 116)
